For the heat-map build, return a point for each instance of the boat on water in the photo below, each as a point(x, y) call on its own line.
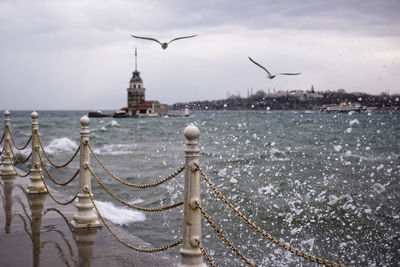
point(97, 114)
point(345, 107)
point(121, 114)
point(186, 112)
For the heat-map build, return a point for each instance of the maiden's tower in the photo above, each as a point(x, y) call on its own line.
point(137, 103)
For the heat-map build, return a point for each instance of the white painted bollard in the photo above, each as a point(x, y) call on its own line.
point(36, 186)
point(191, 255)
point(85, 217)
point(7, 169)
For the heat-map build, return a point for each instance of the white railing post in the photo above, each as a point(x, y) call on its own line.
point(36, 186)
point(191, 255)
point(7, 169)
point(85, 217)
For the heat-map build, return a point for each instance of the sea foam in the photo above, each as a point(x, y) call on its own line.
point(117, 215)
point(116, 149)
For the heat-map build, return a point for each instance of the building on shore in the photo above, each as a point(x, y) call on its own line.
point(137, 103)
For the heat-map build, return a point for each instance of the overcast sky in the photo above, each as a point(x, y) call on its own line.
point(80, 55)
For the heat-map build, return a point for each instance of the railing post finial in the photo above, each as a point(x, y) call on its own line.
point(7, 171)
point(36, 186)
point(191, 255)
point(85, 216)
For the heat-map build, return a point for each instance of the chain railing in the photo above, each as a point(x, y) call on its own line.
point(16, 158)
point(264, 233)
point(110, 173)
point(52, 162)
point(52, 178)
point(54, 198)
point(15, 169)
point(206, 256)
point(2, 137)
point(192, 250)
point(1, 141)
point(14, 143)
point(127, 204)
point(222, 236)
point(151, 250)
point(84, 217)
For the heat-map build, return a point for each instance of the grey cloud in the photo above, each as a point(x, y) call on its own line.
point(363, 16)
point(85, 46)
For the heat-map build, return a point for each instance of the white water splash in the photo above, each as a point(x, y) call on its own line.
point(117, 215)
point(233, 181)
point(113, 123)
point(269, 189)
point(378, 188)
point(59, 145)
point(355, 121)
point(116, 149)
point(337, 148)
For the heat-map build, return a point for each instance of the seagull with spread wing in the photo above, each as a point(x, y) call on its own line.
point(163, 45)
point(271, 76)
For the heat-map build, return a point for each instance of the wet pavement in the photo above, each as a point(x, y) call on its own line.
point(35, 231)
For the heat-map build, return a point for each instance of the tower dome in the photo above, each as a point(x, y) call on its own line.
point(136, 80)
point(136, 77)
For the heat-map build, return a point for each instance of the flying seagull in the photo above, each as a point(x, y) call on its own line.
point(270, 76)
point(164, 45)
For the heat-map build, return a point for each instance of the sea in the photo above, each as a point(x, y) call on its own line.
point(325, 183)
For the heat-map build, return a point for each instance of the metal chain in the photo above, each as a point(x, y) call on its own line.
point(206, 255)
point(16, 159)
point(51, 195)
point(15, 145)
point(222, 236)
point(267, 235)
point(151, 250)
point(51, 177)
point(18, 173)
point(2, 138)
point(130, 184)
point(127, 204)
point(51, 162)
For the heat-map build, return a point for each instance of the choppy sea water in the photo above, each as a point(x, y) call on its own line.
point(324, 183)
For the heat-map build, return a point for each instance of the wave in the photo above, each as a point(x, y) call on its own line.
point(121, 216)
point(116, 149)
point(113, 123)
point(61, 145)
point(102, 129)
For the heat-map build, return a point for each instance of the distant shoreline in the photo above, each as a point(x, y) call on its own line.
point(294, 100)
point(290, 100)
